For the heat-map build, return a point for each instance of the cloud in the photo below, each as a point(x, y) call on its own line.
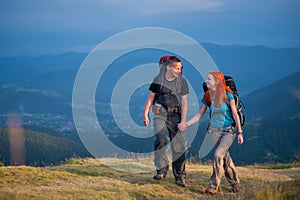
point(43, 92)
point(167, 6)
point(38, 27)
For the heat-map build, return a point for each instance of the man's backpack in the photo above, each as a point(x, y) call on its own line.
point(239, 104)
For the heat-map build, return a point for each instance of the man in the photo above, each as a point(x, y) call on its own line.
point(169, 90)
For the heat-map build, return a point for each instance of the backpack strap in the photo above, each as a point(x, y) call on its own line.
point(178, 85)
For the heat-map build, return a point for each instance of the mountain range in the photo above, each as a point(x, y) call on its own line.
point(39, 89)
point(49, 79)
point(277, 100)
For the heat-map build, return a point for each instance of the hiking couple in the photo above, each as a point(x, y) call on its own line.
point(169, 102)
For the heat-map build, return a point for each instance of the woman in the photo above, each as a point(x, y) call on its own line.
point(224, 123)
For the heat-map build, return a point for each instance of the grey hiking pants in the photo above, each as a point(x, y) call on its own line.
point(222, 162)
point(165, 125)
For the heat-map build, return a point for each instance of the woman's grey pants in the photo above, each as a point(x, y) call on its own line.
point(222, 162)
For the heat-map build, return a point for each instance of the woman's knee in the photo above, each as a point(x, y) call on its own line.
point(219, 154)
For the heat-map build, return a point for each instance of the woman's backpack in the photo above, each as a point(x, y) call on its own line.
point(239, 104)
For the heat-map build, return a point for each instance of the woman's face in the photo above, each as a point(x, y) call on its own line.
point(210, 81)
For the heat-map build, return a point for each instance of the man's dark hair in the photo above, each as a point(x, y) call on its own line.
point(173, 59)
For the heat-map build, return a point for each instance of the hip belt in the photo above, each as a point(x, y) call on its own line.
point(229, 129)
point(175, 109)
point(166, 109)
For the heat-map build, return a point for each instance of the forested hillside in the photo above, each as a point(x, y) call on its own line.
point(38, 148)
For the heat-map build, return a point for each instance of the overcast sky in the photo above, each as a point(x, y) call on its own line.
point(36, 27)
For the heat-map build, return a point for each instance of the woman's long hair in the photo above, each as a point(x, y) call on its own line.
point(220, 93)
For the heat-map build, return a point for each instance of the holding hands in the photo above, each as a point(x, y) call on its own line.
point(182, 126)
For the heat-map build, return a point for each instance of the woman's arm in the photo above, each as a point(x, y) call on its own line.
point(198, 116)
point(237, 121)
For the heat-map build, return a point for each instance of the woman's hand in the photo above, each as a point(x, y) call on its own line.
point(182, 126)
point(240, 138)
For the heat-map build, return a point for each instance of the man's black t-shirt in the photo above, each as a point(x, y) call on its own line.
point(167, 93)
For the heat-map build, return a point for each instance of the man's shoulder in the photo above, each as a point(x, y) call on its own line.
point(157, 79)
point(183, 78)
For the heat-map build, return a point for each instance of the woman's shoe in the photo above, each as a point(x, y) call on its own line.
point(235, 188)
point(211, 190)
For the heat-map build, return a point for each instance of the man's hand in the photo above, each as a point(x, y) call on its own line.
point(148, 104)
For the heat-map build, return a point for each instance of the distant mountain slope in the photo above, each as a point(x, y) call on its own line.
point(17, 99)
point(277, 100)
point(50, 78)
point(24, 68)
point(254, 66)
point(40, 148)
point(263, 65)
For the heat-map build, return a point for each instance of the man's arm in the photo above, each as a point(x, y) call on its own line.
point(184, 111)
point(148, 104)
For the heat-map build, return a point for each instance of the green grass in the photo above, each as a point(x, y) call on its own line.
point(91, 179)
point(280, 166)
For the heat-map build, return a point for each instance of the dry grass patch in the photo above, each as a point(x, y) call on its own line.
point(96, 179)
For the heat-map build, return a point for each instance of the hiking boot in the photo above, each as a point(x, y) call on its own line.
point(211, 190)
point(180, 182)
point(235, 188)
point(159, 176)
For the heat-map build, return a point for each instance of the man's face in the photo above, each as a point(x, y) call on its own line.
point(176, 68)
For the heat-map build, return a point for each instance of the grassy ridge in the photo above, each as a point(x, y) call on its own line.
point(91, 179)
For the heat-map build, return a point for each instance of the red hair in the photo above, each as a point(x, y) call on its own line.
point(221, 88)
